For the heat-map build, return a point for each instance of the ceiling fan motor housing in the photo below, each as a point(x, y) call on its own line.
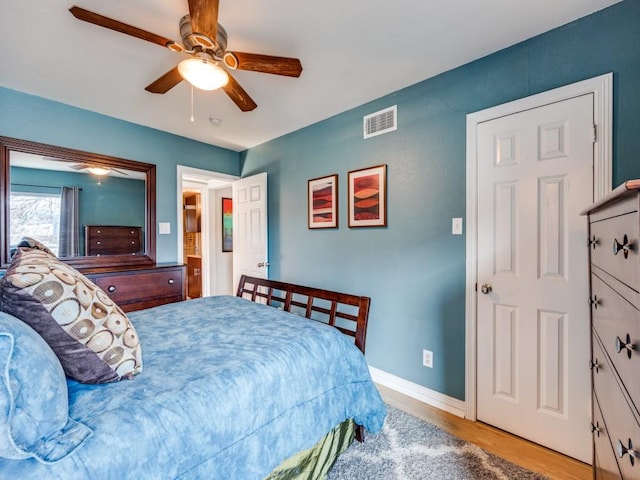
point(194, 40)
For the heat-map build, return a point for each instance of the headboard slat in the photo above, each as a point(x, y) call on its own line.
point(352, 310)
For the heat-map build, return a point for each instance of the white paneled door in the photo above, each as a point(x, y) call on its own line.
point(250, 227)
point(535, 174)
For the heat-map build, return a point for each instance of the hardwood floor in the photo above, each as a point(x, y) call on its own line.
point(514, 449)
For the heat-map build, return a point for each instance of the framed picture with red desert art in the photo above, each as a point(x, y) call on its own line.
point(227, 224)
point(323, 202)
point(367, 195)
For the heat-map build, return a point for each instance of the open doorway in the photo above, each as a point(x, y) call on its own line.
point(200, 226)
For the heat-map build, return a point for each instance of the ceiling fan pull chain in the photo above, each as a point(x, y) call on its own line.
point(192, 117)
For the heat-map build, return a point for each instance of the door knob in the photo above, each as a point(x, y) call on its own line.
point(263, 264)
point(486, 288)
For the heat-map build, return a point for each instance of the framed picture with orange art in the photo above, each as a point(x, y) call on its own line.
point(323, 202)
point(367, 195)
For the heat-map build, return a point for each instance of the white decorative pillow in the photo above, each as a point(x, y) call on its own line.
point(90, 334)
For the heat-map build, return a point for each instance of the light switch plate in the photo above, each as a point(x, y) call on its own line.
point(456, 226)
point(164, 228)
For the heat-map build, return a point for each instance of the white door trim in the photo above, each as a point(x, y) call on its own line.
point(202, 180)
point(602, 89)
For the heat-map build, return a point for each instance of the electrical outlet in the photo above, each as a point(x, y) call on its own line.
point(427, 358)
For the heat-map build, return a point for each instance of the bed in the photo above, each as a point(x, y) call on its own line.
point(233, 387)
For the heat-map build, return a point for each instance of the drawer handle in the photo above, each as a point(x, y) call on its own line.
point(625, 246)
point(596, 429)
point(622, 451)
point(594, 302)
point(170, 281)
point(628, 346)
point(593, 242)
point(594, 365)
point(98, 243)
point(111, 288)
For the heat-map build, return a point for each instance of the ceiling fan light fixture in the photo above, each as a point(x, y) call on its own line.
point(98, 171)
point(203, 73)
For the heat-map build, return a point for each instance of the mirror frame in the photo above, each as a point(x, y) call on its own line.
point(7, 145)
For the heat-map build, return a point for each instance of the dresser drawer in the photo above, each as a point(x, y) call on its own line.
point(605, 457)
point(609, 236)
point(138, 286)
point(110, 240)
point(620, 423)
point(617, 323)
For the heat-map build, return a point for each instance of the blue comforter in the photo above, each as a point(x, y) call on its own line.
point(230, 388)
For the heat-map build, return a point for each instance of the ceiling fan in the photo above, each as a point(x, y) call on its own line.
point(206, 43)
point(98, 170)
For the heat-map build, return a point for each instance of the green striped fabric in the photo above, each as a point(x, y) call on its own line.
point(315, 463)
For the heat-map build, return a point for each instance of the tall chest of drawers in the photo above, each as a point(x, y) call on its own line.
point(614, 242)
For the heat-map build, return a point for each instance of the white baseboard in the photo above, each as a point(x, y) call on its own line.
point(418, 392)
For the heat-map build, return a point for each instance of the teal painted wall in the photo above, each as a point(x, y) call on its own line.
point(414, 269)
point(33, 118)
point(111, 201)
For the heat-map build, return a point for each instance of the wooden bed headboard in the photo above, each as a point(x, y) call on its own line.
point(348, 313)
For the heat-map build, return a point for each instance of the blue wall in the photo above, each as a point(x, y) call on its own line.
point(414, 269)
point(33, 118)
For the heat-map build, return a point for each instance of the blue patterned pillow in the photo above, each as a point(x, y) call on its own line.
point(34, 408)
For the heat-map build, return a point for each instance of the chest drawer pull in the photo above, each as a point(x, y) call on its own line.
point(625, 246)
point(620, 345)
point(622, 451)
point(593, 242)
point(594, 302)
point(111, 288)
point(594, 365)
point(170, 281)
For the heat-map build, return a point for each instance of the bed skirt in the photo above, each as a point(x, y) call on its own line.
point(315, 463)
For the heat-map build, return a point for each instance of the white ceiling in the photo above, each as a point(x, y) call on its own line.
point(352, 51)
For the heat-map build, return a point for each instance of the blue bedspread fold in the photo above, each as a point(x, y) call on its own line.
point(230, 388)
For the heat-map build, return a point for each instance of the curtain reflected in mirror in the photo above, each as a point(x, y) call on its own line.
point(69, 222)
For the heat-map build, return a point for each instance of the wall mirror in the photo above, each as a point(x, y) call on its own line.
point(58, 195)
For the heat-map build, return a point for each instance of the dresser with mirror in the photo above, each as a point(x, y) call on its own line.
point(63, 196)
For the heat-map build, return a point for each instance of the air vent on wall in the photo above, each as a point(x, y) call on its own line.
point(380, 122)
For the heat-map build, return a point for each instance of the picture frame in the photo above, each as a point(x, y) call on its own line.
point(322, 202)
point(227, 224)
point(367, 197)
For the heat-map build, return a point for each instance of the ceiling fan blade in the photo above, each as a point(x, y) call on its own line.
point(78, 166)
point(204, 17)
point(166, 82)
point(290, 67)
point(111, 24)
point(117, 170)
point(239, 96)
